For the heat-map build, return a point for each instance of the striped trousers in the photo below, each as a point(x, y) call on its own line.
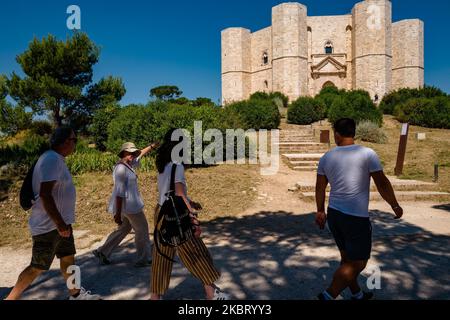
point(194, 255)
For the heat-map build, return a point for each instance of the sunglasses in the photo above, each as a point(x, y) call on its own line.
point(73, 139)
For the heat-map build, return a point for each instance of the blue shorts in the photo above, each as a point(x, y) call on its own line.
point(353, 235)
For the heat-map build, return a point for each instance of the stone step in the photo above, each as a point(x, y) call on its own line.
point(397, 184)
point(301, 143)
point(302, 150)
point(304, 164)
point(299, 139)
point(401, 196)
point(304, 168)
point(303, 156)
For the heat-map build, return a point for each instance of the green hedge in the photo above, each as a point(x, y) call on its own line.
point(425, 112)
point(392, 100)
point(356, 105)
point(305, 111)
point(257, 113)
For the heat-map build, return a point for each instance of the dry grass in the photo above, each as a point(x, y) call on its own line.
point(222, 190)
point(420, 155)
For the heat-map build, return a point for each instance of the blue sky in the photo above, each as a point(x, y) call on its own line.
point(151, 43)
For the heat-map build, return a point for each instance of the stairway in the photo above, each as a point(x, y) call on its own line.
point(299, 149)
point(405, 190)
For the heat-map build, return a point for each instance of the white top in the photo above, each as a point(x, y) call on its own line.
point(126, 187)
point(52, 167)
point(164, 181)
point(348, 170)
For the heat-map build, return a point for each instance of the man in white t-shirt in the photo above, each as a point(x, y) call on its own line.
point(52, 216)
point(348, 168)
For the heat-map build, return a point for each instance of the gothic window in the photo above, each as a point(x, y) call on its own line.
point(329, 47)
point(265, 58)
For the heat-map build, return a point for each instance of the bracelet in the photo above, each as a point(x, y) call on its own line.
point(396, 207)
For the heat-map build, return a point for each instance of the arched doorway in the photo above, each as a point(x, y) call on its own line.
point(328, 84)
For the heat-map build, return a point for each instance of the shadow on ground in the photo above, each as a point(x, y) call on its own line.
point(276, 255)
point(445, 207)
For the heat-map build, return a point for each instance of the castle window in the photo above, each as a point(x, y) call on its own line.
point(329, 47)
point(266, 84)
point(265, 58)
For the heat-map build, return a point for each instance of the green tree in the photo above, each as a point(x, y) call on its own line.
point(58, 79)
point(166, 93)
point(200, 101)
point(13, 118)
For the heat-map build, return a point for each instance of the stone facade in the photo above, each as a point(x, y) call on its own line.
point(299, 55)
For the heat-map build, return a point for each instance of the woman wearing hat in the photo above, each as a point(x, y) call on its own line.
point(127, 207)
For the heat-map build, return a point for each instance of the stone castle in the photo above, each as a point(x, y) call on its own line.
point(299, 55)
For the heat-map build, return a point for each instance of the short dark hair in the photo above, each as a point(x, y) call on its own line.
point(346, 127)
point(60, 135)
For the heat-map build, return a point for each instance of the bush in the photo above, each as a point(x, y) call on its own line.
point(356, 105)
point(257, 113)
point(25, 153)
point(135, 123)
point(13, 118)
point(41, 128)
point(425, 112)
point(100, 123)
point(305, 111)
point(392, 100)
point(327, 95)
point(370, 132)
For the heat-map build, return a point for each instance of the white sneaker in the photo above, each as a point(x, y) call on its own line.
point(220, 295)
point(85, 295)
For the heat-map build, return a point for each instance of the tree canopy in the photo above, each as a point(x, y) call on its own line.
point(58, 80)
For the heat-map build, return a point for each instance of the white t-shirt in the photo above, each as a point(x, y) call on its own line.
point(348, 170)
point(164, 181)
point(52, 167)
point(126, 187)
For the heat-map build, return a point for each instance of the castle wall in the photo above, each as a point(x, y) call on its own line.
point(378, 55)
point(236, 64)
point(334, 29)
point(261, 41)
point(372, 46)
point(408, 54)
point(329, 28)
point(290, 49)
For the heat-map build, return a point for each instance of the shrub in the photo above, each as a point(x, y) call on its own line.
point(393, 99)
point(25, 153)
point(41, 128)
point(100, 123)
point(327, 95)
point(425, 112)
point(13, 118)
point(370, 132)
point(257, 113)
point(135, 123)
point(356, 105)
point(306, 110)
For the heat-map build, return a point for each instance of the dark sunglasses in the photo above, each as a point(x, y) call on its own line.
point(73, 139)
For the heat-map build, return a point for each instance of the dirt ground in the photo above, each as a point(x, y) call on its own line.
point(272, 250)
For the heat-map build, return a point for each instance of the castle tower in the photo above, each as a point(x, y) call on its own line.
point(408, 51)
point(372, 47)
point(290, 49)
point(236, 64)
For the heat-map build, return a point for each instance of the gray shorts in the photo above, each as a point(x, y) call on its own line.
point(353, 235)
point(47, 246)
